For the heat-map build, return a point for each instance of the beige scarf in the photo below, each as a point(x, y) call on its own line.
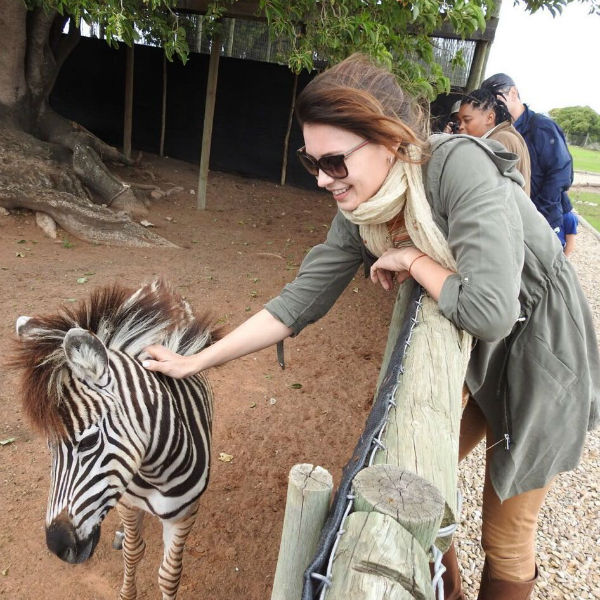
point(402, 190)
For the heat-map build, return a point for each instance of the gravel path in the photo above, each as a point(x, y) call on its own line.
point(569, 529)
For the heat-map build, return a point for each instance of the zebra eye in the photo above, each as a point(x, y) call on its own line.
point(89, 441)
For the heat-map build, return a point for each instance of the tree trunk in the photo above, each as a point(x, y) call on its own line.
point(13, 88)
point(34, 50)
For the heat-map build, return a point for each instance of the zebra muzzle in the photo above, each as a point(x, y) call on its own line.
point(62, 540)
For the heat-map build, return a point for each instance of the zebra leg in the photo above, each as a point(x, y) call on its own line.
point(133, 548)
point(174, 537)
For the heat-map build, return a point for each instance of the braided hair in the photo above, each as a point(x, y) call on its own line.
point(489, 98)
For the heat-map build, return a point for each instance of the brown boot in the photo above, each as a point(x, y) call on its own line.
point(497, 589)
point(451, 578)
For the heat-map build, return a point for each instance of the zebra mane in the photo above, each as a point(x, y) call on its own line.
point(122, 319)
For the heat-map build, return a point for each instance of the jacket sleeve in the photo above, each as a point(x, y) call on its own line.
point(554, 163)
point(324, 274)
point(485, 235)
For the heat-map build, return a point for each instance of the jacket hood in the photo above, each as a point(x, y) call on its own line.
point(505, 161)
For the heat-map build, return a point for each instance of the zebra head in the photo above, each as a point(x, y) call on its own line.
point(91, 464)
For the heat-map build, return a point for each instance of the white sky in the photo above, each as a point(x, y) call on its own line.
point(553, 61)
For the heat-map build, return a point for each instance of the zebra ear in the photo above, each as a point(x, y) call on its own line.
point(21, 326)
point(87, 356)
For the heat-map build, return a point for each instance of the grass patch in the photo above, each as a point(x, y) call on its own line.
point(587, 204)
point(585, 160)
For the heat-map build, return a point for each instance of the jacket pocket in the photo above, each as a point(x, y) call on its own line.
point(549, 376)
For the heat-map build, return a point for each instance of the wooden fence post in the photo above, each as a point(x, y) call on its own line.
point(308, 496)
point(423, 429)
point(383, 552)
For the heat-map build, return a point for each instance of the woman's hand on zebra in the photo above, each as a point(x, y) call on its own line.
point(163, 360)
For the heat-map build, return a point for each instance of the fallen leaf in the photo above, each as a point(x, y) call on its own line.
point(253, 405)
point(225, 457)
point(19, 255)
point(7, 441)
point(146, 223)
point(82, 280)
point(296, 386)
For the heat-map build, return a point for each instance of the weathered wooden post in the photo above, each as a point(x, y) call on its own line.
point(309, 493)
point(163, 109)
point(128, 103)
point(383, 551)
point(424, 426)
point(401, 500)
point(286, 141)
point(209, 113)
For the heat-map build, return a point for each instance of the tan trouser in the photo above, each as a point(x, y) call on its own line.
point(509, 527)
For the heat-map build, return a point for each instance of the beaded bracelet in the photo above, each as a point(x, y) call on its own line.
point(414, 260)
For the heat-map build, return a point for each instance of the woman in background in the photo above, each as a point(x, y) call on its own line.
point(483, 114)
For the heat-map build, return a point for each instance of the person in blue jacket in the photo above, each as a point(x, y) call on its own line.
point(551, 162)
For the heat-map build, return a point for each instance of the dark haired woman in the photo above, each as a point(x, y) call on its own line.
point(451, 213)
point(483, 114)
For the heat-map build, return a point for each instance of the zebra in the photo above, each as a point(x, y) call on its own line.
point(119, 435)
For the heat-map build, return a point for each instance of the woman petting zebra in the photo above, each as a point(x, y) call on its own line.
point(450, 212)
point(118, 433)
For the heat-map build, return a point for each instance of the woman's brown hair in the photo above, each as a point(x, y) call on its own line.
point(359, 96)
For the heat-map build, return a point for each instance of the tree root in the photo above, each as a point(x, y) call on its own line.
point(30, 177)
point(81, 218)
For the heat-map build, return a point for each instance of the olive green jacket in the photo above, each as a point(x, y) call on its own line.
point(534, 368)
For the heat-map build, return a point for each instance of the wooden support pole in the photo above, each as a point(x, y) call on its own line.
point(482, 53)
point(423, 429)
point(477, 65)
point(128, 108)
point(163, 114)
point(286, 141)
point(230, 36)
point(377, 559)
point(209, 113)
point(308, 496)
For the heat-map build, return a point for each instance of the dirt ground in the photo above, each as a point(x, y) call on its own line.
point(234, 257)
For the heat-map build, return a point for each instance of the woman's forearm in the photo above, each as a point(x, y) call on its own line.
point(258, 332)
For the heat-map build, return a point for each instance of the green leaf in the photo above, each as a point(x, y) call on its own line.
point(296, 386)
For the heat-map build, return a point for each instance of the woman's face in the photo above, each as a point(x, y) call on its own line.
point(475, 121)
point(367, 167)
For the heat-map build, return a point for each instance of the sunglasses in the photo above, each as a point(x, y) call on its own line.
point(333, 165)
